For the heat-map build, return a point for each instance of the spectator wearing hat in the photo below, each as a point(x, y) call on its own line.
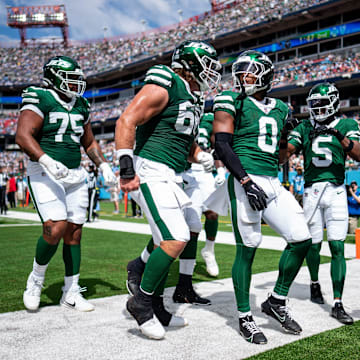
point(297, 185)
point(353, 206)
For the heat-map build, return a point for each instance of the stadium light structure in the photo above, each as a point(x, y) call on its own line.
point(24, 17)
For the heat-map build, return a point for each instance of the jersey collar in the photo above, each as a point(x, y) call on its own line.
point(67, 105)
point(331, 125)
point(265, 106)
point(188, 89)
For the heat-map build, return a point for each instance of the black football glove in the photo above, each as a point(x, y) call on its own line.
point(256, 195)
point(291, 124)
point(324, 130)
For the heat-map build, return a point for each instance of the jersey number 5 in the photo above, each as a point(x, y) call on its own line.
point(324, 151)
point(65, 118)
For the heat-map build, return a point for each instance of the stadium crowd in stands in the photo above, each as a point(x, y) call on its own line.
point(297, 72)
point(17, 65)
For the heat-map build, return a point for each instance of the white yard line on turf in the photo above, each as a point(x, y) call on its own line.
point(223, 237)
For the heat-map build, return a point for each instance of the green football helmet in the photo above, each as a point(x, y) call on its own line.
point(323, 101)
point(64, 75)
point(201, 60)
point(257, 64)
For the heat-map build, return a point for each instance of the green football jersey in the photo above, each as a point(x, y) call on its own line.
point(257, 130)
point(167, 137)
point(63, 124)
point(324, 157)
point(205, 130)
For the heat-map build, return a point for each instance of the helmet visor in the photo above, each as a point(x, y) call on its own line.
point(248, 67)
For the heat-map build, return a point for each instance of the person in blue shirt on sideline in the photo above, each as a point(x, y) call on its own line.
point(297, 185)
point(353, 206)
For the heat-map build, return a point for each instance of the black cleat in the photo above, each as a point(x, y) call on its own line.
point(188, 295)
point(141, 311)
point(166, 318)
point(282, 315)
point(140, 307)
point(250, 331)
point(339, 314)
point(315, 294)
point(135, 269)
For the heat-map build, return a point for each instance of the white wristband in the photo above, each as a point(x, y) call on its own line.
point(121, 152)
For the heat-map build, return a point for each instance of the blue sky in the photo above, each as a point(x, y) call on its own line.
point(87, 18)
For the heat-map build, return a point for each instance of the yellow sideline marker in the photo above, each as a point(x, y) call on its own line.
point(357, 243)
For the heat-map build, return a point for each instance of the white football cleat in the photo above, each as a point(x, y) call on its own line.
point(178, 321)
point(211, 265)
point(31, 296)
point(72, 299)
point(153, 329)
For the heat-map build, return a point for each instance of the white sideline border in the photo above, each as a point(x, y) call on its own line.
point(223, 237)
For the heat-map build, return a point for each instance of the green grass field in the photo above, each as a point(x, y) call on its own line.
point(105, 255)
point(103, 271)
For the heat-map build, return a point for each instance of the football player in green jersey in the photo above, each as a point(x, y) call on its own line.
point(53, 124)
point(325, 140)
point(164, 116)
point(248, 126)
point(198, 185)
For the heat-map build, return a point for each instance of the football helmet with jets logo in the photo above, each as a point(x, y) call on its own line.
point(323, 102)
point(258, 65)
point(64, 75)
point(201, 60)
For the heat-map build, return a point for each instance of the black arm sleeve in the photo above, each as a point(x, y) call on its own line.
point(226, 154)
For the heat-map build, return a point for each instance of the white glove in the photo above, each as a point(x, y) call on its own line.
point(220, 177)
point(57, 169)
point(206, 160)
point(109, 177)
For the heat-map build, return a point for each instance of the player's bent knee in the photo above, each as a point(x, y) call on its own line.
point(195, 227)
point(251, 239)
point(173, 247)
point(211, 215)
point(336, 248)
point(53, 231)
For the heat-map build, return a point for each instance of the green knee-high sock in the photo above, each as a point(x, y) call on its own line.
point(189, 251)
point(313, 261)
point(72, 259)
point(160, 288)
point(241, 274)
point(44, 251)
point(338, 267)
point(158, 264)
point(289, 265)
point(211, 228)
